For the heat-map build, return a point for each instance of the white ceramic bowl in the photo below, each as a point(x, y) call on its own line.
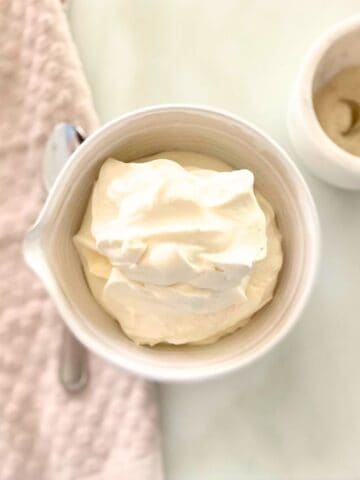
point(338, 48)
point(50, 251)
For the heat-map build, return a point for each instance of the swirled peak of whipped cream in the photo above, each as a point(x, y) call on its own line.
point(177, 252)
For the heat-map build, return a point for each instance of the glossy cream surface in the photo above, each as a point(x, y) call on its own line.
point(178, 248)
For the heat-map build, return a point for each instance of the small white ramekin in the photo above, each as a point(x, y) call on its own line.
point(49, 248)
point(338, 48)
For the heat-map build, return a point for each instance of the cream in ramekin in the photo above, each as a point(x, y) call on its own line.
point(178, 247)
point(50, 251)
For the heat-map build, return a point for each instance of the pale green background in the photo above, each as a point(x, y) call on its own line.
point(295, 414)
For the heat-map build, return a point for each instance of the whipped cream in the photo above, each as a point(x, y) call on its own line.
point(176, 252)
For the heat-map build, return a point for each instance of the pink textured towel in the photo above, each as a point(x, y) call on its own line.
point(110, 430)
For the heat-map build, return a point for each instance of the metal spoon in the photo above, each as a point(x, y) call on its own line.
point(63, 141)
point(355, 116)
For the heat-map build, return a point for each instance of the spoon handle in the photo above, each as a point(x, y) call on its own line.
point(73, 365)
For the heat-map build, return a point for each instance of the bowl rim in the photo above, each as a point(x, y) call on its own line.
point(303, 95)
point(137, 366)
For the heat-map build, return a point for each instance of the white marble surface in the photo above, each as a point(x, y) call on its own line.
point(295, 414)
